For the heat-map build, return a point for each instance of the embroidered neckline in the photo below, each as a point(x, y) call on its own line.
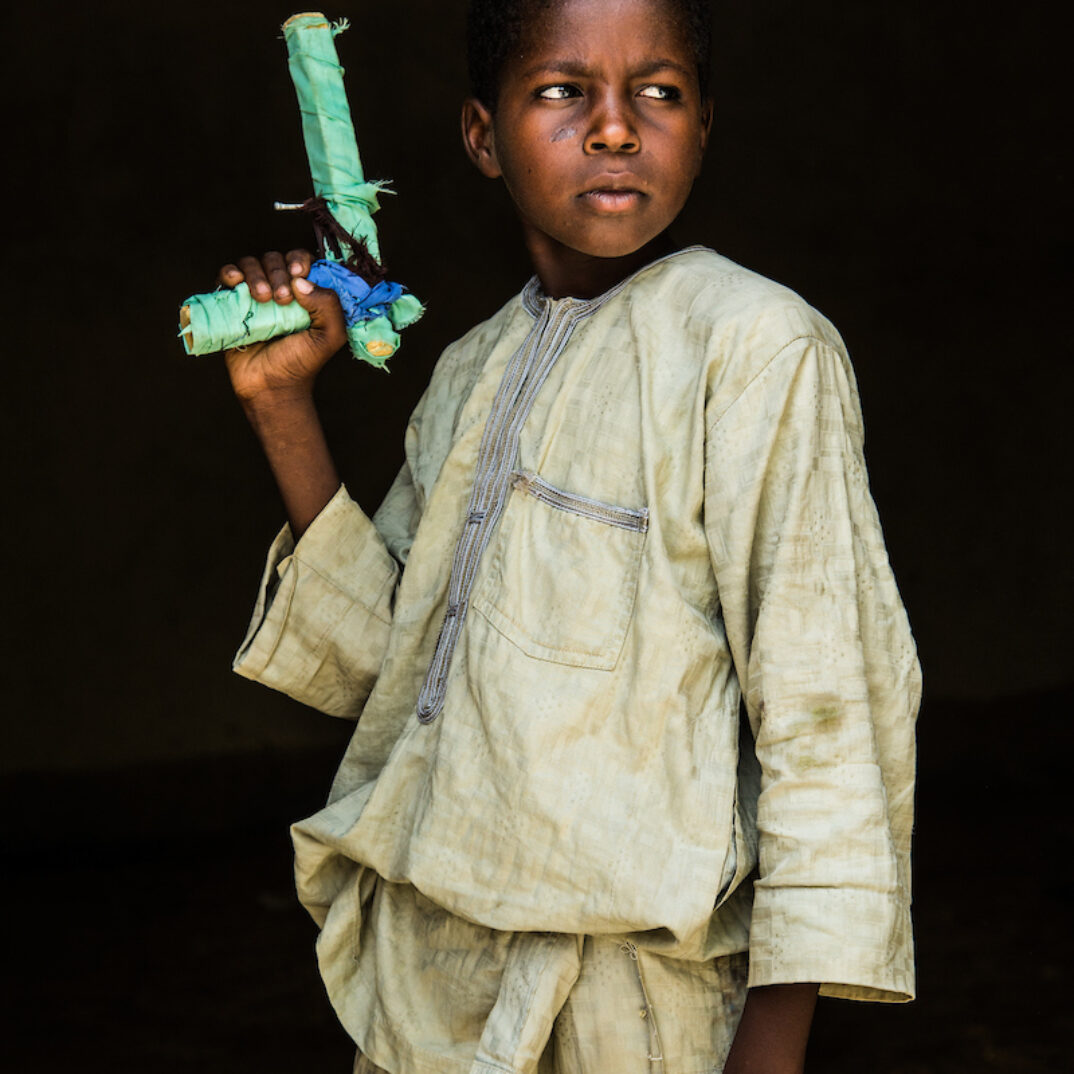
point(534, 299)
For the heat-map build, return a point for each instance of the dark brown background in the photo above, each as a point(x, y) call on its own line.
point(902, 166)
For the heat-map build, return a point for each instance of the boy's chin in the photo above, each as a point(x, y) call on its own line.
point(560, 254)
point(612, 248)
point(648, 245)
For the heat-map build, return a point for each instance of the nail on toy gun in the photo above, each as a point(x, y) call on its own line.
point(341, 210)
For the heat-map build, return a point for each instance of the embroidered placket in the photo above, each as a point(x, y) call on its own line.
point(522, 380)
point(526, 372)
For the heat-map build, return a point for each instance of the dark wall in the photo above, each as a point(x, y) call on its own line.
point(902, 166)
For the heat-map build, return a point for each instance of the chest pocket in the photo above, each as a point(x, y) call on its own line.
point(562, 575)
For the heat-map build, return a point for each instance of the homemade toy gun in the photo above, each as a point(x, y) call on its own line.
point(341, 210)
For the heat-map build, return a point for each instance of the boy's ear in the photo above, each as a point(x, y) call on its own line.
point(708, 108)
point(479, 138)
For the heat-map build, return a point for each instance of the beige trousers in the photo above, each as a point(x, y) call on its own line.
point(635, 1012)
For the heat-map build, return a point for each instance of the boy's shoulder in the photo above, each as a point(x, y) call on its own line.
point(462, 361)
point(718, 299)
point(710, 321)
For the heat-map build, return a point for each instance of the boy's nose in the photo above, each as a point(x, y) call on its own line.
point(612, 130)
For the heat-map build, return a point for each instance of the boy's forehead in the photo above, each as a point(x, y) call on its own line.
point(579, 31)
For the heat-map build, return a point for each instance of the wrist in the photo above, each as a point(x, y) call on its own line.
point(273, 397)
point(275, 405)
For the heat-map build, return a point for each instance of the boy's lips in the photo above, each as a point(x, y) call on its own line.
point(613, 193)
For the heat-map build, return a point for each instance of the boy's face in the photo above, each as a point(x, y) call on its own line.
point(599, 128)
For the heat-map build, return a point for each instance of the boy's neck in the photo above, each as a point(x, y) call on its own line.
point(567, 273)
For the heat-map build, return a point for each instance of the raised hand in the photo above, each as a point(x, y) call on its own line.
point(288, 364)
point(274, 380)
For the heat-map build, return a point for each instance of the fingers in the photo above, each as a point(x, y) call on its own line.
point(299, 262)
point(268, 277)
point(278, 278)
point(229, 276)
point(255, 278)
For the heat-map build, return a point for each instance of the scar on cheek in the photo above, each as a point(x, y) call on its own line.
point(563, 132)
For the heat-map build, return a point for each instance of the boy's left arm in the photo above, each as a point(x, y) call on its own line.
point(831, 683)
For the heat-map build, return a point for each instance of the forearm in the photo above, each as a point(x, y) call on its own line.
point(774, 1030)
point(291, 435)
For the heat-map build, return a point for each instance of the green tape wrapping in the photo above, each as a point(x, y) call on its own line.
point(327, 130)
point(223, 319)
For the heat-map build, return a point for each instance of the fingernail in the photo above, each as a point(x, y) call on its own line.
point(262, 289)
point(302, 285)
point(296, 268)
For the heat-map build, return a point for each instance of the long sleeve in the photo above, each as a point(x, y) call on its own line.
point(828, 672)
point(320, 626)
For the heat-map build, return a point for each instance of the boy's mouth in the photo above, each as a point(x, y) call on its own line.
point(613, 197)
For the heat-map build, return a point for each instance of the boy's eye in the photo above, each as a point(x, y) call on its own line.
point(558, 92)
point(660, 93)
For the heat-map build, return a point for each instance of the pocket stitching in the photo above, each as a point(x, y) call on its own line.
point(628, 518)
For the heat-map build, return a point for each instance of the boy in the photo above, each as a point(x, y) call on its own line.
point(632, 498)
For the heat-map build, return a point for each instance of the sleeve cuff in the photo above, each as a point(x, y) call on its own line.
point(856, 944)
point(323, 613)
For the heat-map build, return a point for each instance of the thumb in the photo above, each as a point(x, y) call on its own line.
point(326, 314)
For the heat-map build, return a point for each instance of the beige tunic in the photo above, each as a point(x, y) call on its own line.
point(618, 517)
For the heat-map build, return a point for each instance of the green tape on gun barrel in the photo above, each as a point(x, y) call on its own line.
point(225, 319)
point(221, 320)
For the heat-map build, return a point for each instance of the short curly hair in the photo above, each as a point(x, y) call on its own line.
point(495, 27)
